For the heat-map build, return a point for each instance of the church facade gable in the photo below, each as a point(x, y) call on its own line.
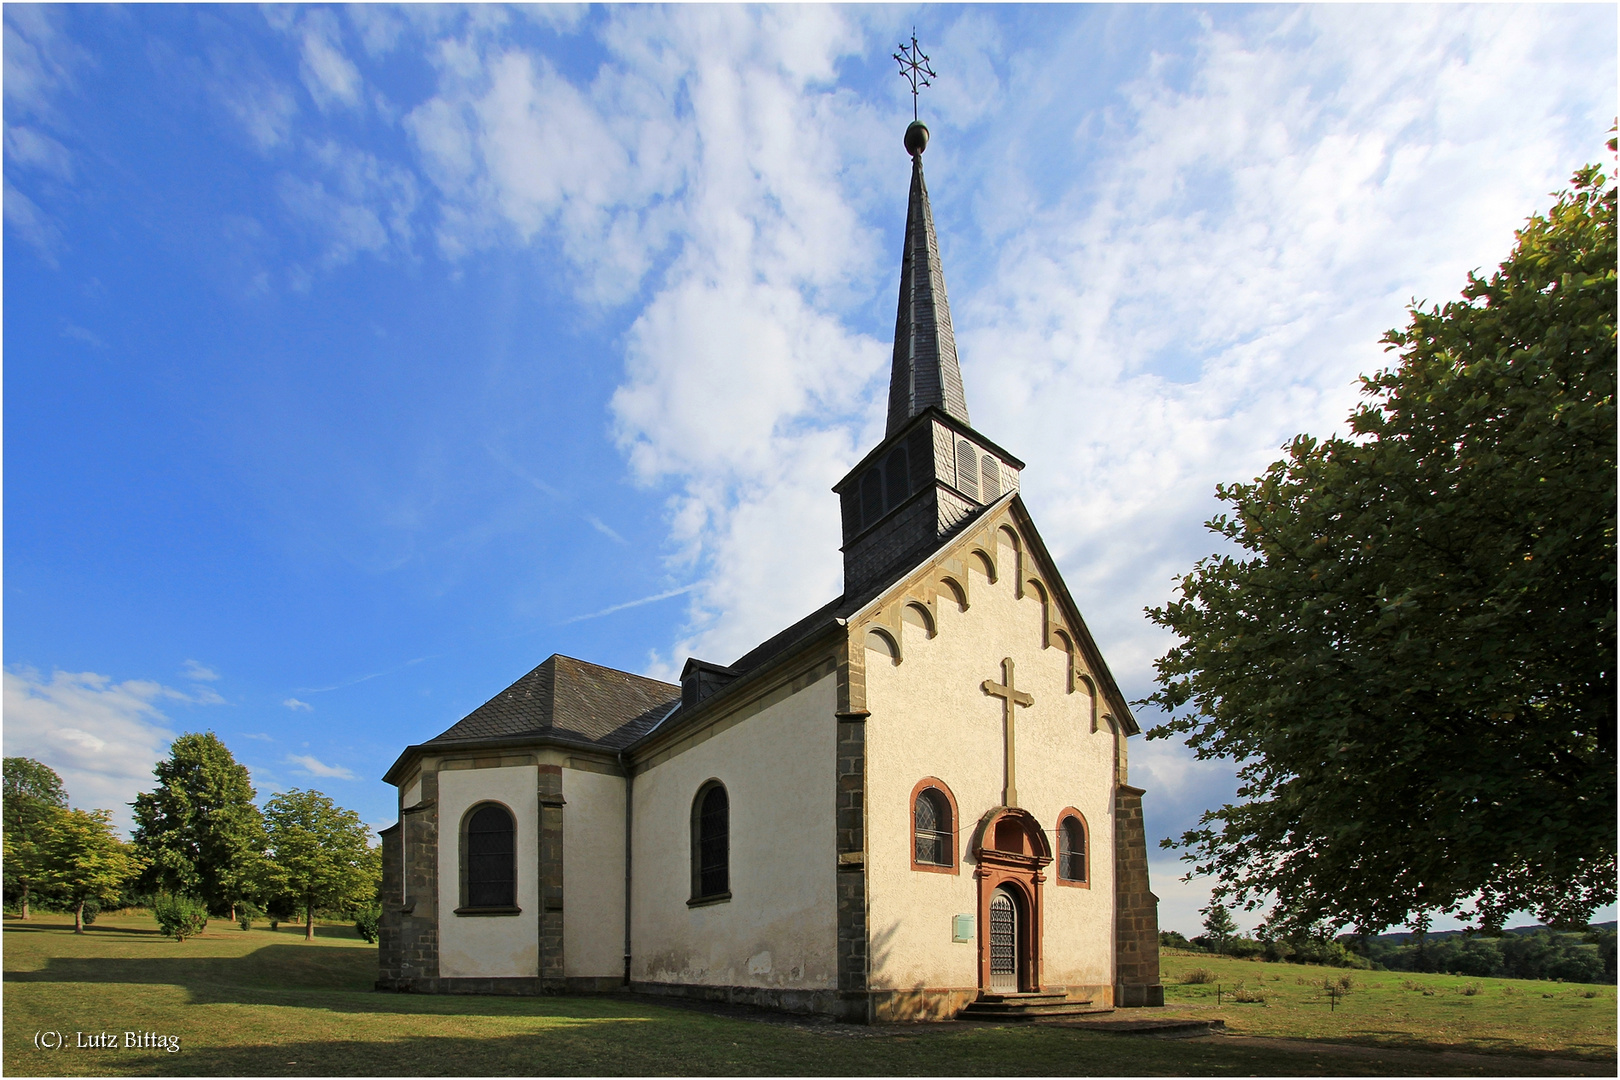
point(982, 615)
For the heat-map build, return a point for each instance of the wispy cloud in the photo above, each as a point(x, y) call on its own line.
point(601, 527)
point(79, 333)
point(630, 604)
point(364, 678)
point(191, 669)
point(312, 766)
point(259, 736)
point(294, 704)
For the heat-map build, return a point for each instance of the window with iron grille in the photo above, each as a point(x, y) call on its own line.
point(933, 829)
point(491, 858)
point(1071, 850)
point(711, 843)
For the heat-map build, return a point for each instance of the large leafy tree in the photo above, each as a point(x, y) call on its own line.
point(1412, 655)
point(320, 854)
point(33, 795)
point(200, 832)
point(83, 859)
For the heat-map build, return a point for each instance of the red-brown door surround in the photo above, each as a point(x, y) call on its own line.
point(1010, 850)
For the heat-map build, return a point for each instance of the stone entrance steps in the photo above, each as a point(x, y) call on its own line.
point(1015, 1008)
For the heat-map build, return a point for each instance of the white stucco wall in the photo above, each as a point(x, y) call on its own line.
point(779, 928)
point(489, 945)
point(593, 874)
point(930, 717)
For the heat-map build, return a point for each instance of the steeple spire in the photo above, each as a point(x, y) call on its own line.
point(925, 370)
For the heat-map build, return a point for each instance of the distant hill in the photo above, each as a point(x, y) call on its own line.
point(1440, 935)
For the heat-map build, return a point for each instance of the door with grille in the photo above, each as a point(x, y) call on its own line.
point(1003, 943)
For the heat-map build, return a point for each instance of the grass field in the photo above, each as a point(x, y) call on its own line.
point(262, 1003)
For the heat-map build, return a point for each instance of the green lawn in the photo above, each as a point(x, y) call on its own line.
point(1389, 1008)
point(258, 1003)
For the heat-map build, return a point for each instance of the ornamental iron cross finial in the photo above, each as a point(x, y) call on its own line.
point(1010, 696)
point(914, 68)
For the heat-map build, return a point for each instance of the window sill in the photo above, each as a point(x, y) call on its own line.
point(705, 901)
point(504, 910)
point(1069, 884)
point(933, 868)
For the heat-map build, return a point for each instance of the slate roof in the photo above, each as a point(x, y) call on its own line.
point(925, 370)
point(572, 700)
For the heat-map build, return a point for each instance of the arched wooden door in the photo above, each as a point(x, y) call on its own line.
point(1004, 973)
point(1011, 851)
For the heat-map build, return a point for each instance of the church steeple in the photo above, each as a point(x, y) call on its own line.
point(925, 370)
point(932, 472)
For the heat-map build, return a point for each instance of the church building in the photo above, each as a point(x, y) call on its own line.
point(912, 803)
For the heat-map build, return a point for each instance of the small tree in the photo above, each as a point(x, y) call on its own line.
point(84, 860)
point(33, 793)
point(1219, 927)
point(321, 854)
point(200, 830)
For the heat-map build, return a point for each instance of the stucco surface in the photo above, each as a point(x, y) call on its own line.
point(489, 946)
point(930, 717)
point(778, 930)
point(593, 874)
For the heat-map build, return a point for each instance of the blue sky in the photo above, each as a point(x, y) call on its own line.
point(357, 359)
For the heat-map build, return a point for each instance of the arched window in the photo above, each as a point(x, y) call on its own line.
point(933, 827)
point(967, 470)
point(871, 496)
point(711, 844)
point(489, 843)
point(1071, 853)
point(896, 484)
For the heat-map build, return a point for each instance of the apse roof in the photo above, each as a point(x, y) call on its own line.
point(571, 700)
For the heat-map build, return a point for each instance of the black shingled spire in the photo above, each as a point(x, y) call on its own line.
point(925, 369)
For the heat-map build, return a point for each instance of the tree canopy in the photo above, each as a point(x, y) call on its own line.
point(33, 796)
point(1411, 657)
point(200, 831)
point(320, 853)
point(83, 859)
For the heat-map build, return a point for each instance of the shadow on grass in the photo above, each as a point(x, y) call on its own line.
point(334, 978)
point(604, 1048)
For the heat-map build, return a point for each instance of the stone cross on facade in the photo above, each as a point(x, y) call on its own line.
point(1010, 696)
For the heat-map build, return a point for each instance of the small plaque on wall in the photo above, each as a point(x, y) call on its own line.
point(961, 928)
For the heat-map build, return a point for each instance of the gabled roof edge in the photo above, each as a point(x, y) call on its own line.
point(1014, 502)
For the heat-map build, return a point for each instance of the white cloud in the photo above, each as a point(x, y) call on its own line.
point(265, 108)
point(31, 148)
point(357, 204)
point(329, 75)
point(79, 333)
point(294, 704)
point(1225, 275)
point(102, 737)
point(312, 766)
point(24, 217)
point(604, 528)
point(191, 669)
point(39, 59)
point(259, 736)
point(628, 604)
